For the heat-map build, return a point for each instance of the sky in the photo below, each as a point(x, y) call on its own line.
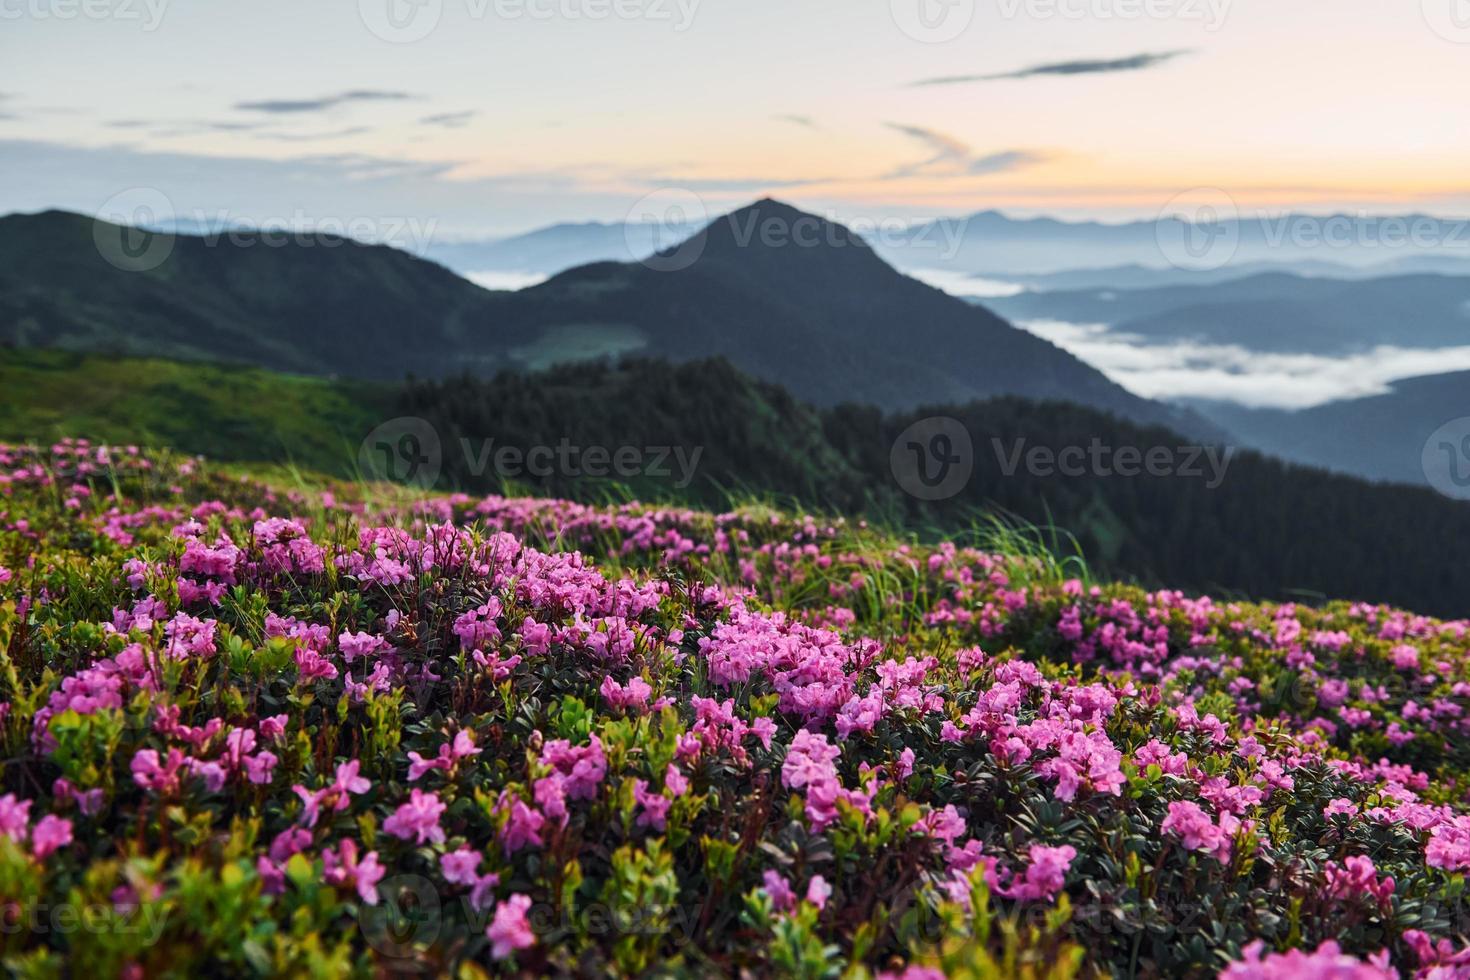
point(482, 117)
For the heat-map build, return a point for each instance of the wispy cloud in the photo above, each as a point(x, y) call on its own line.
point(805, 122)
point(730, 184)
point(449, 120)
point(323, 103)
point(951, 157)
point(290, 137)
point(1137, 62)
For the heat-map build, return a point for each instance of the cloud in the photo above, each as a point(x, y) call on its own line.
point(1188, 369)
point(338, 186)
point(449, 120)
point(730, 184)
point(287, 137)
point(806, 122)
point(1136, 62)
point(323, 103)
point(953, 158)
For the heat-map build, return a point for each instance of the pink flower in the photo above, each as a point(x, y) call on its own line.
point(655, 806)
point(354, 645)
point(51, 833)
point(818, 891)
point(634, 695)
point(1328, 962)
point(510, 931)
point(259, 768)
point(15, 816)
point(675, 781)
point(1044, 877)
point(460, 867)
point(1197, 832)
point(1340, 807)
point(778, 889)
point(522, 828)
point(343, 868)
point(418, 819)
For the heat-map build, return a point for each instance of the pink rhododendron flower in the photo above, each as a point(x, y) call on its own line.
point(418, 819)
point(510, 930)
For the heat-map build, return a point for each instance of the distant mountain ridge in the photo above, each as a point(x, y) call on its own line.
point(999, 246)
point(1272, 311)
point(1380, 437)
point(787, 296)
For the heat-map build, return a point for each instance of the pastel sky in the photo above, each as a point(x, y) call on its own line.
point(488, 116)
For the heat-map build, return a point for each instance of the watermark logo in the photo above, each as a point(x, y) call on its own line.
point(407, 21)
point(408, 918)
point(1199, 230)
point(933, 21)
point(1210, 13)
point(670, 214)
point(147, 13)
point(401, 21)
point(1446, 459)
point(1099, 460)
point(402, 450)
point(933, 459)
point(1450, 19)
point(570, 460)
point(126, 229)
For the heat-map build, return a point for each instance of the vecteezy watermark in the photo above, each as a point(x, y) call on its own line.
point(402, 450)
point(1199, 229)
point(137, 229)
point(409, 450)
point(146, 920)
point(1446, 459)
point(1450, 19)
point(933, 21)
point(935, 459)
point(148, 14)
point(665, 230)
point(1099, 460)
point(407, 21)
point(668, 231)
point(1210, 13)
point(125, 230)
point(308, 230)
point(1203, 229)
point(566, 459)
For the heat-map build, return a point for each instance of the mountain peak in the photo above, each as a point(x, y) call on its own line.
point(775, 239)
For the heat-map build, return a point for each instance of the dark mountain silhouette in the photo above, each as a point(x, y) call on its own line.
point(792, 298)
point(787, 296)
point(1266, 529)
point(1381, 437)
point(309, 303)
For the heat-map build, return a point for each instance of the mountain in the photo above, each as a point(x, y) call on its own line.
point(1040, 253)
point(1382, 437)
point(787, 296)
point(1273, 312)
point(313, 304)
point(1146, 277)
point(792, 298)
point(997, 246)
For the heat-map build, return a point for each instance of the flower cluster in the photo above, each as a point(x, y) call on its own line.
point(248, 727)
